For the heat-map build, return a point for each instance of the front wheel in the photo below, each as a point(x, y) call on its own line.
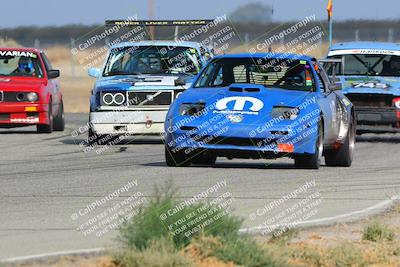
point(343, 157)
point(312, 161)
point(47, 128)
point(59, 120)
point(204, 159)
point(175, 158)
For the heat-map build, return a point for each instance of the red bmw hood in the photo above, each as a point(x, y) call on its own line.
point(20, 83)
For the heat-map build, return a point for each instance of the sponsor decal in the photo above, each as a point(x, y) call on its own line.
point(17, 54)
point(370, 85)
point(253, 105)
point(235, 118)
point(27, 120)
point(364, 52)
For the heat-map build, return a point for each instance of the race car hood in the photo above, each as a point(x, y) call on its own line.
point(142, 82)
point(21, 84)
point(251, 106)
point(370, 85)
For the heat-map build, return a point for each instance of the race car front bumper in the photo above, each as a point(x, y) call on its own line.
point(281, 144)
point(23, 114)
point(377, 120)
point(132, 122)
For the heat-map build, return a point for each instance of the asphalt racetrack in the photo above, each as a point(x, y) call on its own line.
point(46, 180)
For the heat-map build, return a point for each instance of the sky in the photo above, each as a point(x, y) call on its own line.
point(56, 12)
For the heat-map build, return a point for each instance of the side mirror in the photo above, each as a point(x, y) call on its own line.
point(94, 72)
point(335, 87)
point(52, 74)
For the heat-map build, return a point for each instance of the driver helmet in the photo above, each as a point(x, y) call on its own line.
point(25, 64)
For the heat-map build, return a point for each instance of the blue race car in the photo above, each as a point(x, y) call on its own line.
point(261, 106)
point(370, 77)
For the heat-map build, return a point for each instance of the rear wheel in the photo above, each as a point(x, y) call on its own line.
point(47, 128)
point(343, 157)
point(175, 159)
point(59, 120)
point(312, 161)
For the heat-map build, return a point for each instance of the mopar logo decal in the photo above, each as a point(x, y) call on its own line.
point(240, 103)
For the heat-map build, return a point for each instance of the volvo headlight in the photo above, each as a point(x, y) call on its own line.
point(113, 99)
point(32, 97)
point(191, 109)
point(287, 113)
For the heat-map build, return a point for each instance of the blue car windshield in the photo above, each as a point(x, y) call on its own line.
point(152, 60)
point(279, 73)
point(369, 65)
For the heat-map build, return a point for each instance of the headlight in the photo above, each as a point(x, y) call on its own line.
point(113, 99)
point(287, 113)
point(396, 102)
point(191, 109)
point(32, 97)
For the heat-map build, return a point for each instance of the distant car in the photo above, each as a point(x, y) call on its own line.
point(261, 106)
point(29, 91)
point(370, 78)
point(137, 84)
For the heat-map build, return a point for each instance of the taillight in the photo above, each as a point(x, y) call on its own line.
point(396, 102)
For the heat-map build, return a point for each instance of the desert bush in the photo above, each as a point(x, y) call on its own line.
point(376, 231)
point(159, 253)
point(242, 251)
point(148, 226)
point(347, 254)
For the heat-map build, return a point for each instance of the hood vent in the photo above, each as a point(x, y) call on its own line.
point(247, 89)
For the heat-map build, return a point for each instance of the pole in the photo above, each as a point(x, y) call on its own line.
point(330, 31)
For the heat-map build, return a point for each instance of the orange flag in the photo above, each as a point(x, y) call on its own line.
point(329, 9)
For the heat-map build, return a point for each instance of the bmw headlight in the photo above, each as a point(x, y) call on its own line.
point(287, 113)
point(32, 97)
point(191, 109)
point(112, 99)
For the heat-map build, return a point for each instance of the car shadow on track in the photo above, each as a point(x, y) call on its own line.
point(128, 141)
point(372, 138)
point(233, 165)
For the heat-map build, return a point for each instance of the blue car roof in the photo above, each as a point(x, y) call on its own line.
point(365, 45)
point(266, 55)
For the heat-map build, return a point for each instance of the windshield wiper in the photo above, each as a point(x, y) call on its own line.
point(116, 73)
point(179, 72)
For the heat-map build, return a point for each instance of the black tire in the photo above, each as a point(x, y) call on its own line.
point(47, 128)
point(59, 120)
point(343, 157)
point(204, 159)
point(97, 139)
point(176, 159)
point(312, 161)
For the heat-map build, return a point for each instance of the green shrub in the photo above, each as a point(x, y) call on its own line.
point(376, 231)
point(160, 253)
point(147, 224)
point(347, 255)
point(307, 254)
point(243, 251)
